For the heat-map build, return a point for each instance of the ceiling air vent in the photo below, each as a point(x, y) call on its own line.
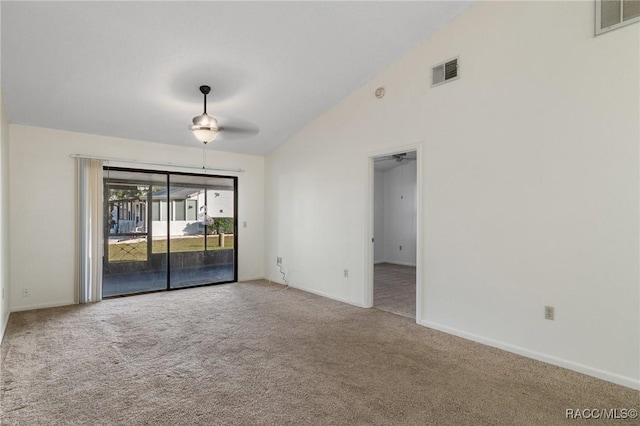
point(444, 72)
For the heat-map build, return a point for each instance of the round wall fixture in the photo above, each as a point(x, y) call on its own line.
point(380, 92)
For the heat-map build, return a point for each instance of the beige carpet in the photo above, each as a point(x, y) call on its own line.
point(394, 289)
point(253, 353)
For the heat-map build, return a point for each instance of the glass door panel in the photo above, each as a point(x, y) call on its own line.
point(187, 236)
point(130, 263)
point(202, 249)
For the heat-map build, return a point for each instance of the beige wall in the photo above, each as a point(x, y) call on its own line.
point(43, 191)
point(529, 185)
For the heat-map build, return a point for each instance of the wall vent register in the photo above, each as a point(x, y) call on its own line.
point(613, 14)
point(445, 72)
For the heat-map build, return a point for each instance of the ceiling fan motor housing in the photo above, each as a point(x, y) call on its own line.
point(205, 120)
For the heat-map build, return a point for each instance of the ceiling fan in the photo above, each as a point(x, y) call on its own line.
point(397, 157)
point(207, 128)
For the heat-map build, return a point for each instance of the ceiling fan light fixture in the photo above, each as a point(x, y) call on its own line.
point(205, 128)
point(204, 134)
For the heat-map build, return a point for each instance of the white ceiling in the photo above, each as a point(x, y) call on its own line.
point(132, 69)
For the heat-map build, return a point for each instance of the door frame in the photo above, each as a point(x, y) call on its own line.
point(369, 221)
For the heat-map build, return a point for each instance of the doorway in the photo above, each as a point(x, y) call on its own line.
point(167, 230)
point(395, 214)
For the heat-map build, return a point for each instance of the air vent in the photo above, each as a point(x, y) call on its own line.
point(444, 72)
point(612, 14)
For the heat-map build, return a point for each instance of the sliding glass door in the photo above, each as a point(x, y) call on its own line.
point(202, 245)
point(168, 230)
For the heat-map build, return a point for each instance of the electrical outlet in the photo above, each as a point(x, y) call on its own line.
point(25, 292)
point(346, 273)
point(278, 260)
point(244, 224)
point(549, 312)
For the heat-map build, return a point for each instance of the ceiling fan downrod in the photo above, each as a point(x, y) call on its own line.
point(205, 90)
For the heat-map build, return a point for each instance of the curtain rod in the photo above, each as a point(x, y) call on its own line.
point(150, 163)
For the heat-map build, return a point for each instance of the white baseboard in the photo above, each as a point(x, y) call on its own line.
point(42, 306)
point(320, 293)
point(600, 374)
point(328, 296)
point(240, 280)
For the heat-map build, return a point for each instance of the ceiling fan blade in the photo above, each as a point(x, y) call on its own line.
point(236, 129)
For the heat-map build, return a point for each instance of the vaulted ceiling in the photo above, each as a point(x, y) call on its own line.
point(132, 69)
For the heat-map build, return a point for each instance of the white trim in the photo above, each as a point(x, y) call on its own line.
point(4, 326)
point(241, 280)
point(549, 359)
point(419, 232)
point(320, 293)
point(151, 163)
point(43, 305)
point(369, 231)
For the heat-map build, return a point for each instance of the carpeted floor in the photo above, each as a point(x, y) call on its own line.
point(394, 289)
point(253, 353)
